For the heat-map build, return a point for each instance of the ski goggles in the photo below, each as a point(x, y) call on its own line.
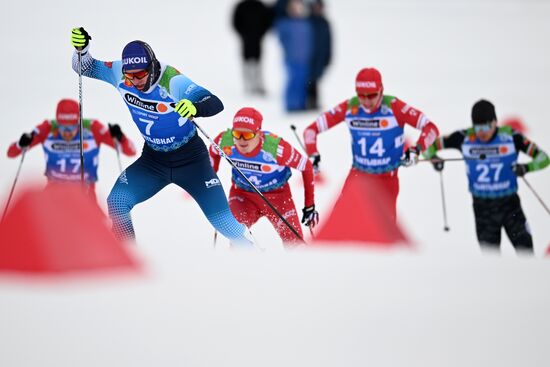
point(67, 128)
point(485, 128)
point(137, 75)
point(368, 95)
point(246, 135)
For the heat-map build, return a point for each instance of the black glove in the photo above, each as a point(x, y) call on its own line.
point(520, 169)
point(438, 165)
point(410, 157)
point(25, 140)
point(115, 132)
point(80, 38)
point(310, 217)
point(315, 160)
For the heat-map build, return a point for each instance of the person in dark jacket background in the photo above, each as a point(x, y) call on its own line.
point(321, 53)
point(252, 19)
point(279, 9)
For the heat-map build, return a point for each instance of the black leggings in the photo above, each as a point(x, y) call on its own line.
point(251, 48)
point(493, 214)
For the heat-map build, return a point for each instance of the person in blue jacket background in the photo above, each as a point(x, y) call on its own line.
point(296, 36)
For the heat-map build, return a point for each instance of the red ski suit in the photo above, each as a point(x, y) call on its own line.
point(46, 130)
point(248, 207)
point(384, 127)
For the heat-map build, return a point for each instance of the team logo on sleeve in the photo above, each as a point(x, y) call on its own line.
point(335, 110)
point(268, 157)
point(109, 64)
point(309, 136)
point(163, 92)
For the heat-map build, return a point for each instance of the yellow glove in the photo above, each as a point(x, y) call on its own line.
point(185, 108)
point(80, 38)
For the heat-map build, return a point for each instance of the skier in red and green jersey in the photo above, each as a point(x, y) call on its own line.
point(265, 159)
point(376, 122)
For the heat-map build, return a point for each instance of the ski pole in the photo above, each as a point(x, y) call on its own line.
point(222, 153)
point(435, 160)
point(79, 53)
point(117, 149)
point(14, 182)
point(316, 171)
point(536, 195)
point(445, 224)
point(293, 128)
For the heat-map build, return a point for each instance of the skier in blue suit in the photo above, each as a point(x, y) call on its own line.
point(162, 102)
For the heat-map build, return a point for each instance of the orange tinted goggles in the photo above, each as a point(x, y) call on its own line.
point(137, 75)
point(246, 135)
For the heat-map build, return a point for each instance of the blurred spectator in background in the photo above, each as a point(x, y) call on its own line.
point(279, 8)
point(322, 51)
point(296, 35)
point(252, 19)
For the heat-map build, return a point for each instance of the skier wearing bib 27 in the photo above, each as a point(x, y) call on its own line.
point(162, 102)
point(376, 123)
point(265, 159)
point(493, 180)
point(60, 139)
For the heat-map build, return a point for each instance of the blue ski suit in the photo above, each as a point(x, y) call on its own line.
point(172, 153)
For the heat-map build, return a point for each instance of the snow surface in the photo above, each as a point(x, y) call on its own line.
point(441, 305)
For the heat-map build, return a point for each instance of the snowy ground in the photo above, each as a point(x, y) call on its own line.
point(444, 304)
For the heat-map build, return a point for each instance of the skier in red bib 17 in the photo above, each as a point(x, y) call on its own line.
point(60, 139)
point(376, 122)
point(265, 159)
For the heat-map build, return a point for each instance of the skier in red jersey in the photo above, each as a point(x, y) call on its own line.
point(265, 159)
point(376, 122)
point(60, 140)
